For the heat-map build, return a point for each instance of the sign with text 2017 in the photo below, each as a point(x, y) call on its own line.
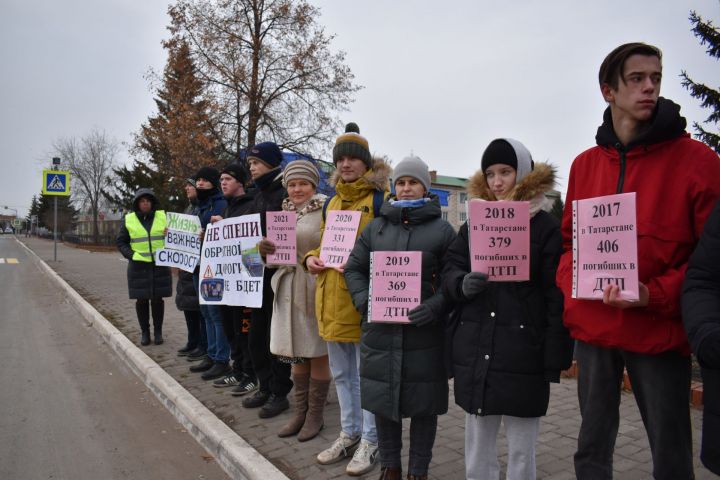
point(231, 269)
point(182, 242)
point(605, 246)
point(500, 239)
point(395, 285)
point(281, 228)
point(341, 228)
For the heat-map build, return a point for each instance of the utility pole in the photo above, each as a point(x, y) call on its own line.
point(56, 164)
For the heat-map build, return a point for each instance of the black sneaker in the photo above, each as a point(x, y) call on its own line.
point(257, 400)
point(203, 366)
point(274, 406)
point(247, 385)
point(232, 380)
point(220, 369)
point(185, 351)
point(196, 355)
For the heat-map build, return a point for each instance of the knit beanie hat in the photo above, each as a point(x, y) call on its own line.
point(352, 144)
point(236, 171)
point(267, 152)
point(301, 169)
point(510, 152)
point(413, 167)
point(191, 182)
point(210, 174)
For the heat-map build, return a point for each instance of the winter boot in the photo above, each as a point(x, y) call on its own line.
point(390, 473)
point(158, 312)
point(145, 337)
point(300, 401)
point(417, 477)
point(316, 405)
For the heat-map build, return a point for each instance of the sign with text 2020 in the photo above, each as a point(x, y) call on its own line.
point(605, 246)
point(500, 239)
point(341, 228)
point(231, 268)
point(395, 283)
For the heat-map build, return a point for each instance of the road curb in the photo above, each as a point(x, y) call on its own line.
point(234, 455)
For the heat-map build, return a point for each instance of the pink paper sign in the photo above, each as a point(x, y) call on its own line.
point(605, 246)
point(500, 239)
point(394, 285)
point(281, 228)
point(338, 240)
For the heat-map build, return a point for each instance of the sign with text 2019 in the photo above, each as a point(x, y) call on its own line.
point(605, 246)
point(394, 285)
point(231, 268)
point(341, 228)
point(500, 239)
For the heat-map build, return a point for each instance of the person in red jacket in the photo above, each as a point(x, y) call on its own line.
point(641, 147)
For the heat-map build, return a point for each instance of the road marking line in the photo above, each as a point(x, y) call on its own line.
point(12, 260)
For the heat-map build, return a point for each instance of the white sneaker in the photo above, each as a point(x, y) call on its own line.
point(340, 449)
point(363, 460)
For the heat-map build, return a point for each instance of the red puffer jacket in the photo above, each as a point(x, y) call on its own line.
point(677, 182)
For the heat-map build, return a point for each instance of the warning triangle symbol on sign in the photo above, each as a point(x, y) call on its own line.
point(56, 184)
point(208, 272)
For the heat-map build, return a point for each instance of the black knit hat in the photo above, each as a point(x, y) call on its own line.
point(352, 144)
point(210, 174)
point(499, 151)
point(267, 152)
point(236, 171)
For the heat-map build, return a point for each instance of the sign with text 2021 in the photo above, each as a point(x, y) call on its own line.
point(605, 246)
point(280, 229)
point(500, 239)
point(394, 285)
point(341, 228)
point(231, 268)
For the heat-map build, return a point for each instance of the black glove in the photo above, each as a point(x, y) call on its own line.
point(709, 352)
point(473, 284)
point(421, 315)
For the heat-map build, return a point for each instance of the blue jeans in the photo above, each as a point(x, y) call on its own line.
point(218, 348)
point(345, 367)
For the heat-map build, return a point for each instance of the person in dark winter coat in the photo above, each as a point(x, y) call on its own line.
point(642, 147)
point(510, 342)
point(211, 202)
point(264, 161)
point(141, 235)
point(402, 369)
point(186, 297)
point(236, 320)
point(701, 315)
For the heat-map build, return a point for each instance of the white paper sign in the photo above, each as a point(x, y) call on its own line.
point(182, 242)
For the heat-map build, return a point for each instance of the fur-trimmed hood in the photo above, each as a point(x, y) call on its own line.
point(378, 177)
point(539, 181)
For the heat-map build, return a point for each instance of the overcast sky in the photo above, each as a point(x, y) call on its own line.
point(439, 83)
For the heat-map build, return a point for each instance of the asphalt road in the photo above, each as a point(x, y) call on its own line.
point(68, 408)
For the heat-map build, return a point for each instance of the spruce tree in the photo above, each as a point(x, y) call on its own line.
point(709, 97)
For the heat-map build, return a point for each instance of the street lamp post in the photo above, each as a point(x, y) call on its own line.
point(56, 163)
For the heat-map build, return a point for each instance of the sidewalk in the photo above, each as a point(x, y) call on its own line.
point(100, 279)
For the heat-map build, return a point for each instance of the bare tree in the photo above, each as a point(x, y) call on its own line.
point(269, 70)
point(90, 160)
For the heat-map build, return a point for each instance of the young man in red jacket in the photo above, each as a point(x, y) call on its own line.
point(641, 147)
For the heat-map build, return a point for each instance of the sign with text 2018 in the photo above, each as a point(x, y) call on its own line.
point(280, 228)
point(231, 269)
point(500, 239)
point(395, 283)
point(182, 242)
point(341, 228)
point(605, 246)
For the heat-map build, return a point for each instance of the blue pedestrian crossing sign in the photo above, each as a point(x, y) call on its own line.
point(56, 182)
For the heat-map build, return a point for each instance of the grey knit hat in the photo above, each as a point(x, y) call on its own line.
point(301, 169)
point(413, 167)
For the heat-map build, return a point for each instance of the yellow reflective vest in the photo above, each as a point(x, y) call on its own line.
point(145, 245)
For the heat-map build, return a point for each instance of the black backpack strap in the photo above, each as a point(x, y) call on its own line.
point(325, 206)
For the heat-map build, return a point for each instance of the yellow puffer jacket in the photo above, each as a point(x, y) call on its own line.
point(338, 321)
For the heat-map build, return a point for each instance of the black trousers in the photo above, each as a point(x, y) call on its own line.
point(661, 385)
point(196, 338)
point(142, 308)
point(422, 439)
point(274, 376)
point(236, 325)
